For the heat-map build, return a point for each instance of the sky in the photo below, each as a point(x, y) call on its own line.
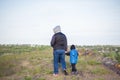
point(84, 22)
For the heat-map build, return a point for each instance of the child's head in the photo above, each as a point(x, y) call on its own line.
point(72, 47)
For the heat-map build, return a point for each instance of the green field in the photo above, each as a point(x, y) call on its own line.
point(26, 62)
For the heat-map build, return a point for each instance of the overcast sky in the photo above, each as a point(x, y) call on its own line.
point(85, 22)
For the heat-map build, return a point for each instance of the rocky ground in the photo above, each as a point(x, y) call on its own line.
point(111, 64)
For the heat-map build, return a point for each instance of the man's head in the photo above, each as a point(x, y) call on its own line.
point(57, 29)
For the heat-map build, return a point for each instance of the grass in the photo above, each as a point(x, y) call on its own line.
point(99, 79)
point(100, 71)
point(27, 78)
point(113, 55)
point(91, 65)
point(93, 62)
point(37, 64)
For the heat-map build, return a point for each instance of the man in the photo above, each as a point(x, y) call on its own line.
point(59, 44)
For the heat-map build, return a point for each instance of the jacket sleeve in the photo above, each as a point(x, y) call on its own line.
point(65, 43)
point(52, 41)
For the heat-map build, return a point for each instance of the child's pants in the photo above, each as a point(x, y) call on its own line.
point(73, 67)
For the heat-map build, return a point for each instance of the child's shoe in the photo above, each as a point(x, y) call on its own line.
point(72, 73)
point(76, 72)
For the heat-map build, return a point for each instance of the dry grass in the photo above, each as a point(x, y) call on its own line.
point(38, 65)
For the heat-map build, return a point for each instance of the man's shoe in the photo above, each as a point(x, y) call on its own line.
point(65, 72)
point(55, 75)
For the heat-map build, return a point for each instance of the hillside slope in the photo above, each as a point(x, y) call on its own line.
point(37, 64)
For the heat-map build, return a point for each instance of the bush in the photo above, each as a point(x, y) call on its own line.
point(27, 78)
point(117, 57)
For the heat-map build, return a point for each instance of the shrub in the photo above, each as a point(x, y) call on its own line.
point(27, 78)
point(117, 57)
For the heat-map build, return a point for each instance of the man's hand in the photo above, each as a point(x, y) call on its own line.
point(67, 53)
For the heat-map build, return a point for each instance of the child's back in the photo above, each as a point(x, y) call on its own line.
point(73, 59)
point(73, 56)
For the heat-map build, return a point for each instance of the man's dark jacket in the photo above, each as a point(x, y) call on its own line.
point(59, 41)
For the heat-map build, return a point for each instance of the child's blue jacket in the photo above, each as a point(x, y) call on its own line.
point(73, 56)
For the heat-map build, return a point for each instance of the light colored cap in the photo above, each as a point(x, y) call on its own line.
point(57, 29)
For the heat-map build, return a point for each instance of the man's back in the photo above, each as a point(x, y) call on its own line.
point(59, 41)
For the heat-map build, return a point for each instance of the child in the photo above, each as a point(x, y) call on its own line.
point(73, 58)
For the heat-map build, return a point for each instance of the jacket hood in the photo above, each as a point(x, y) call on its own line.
point(57, 29)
